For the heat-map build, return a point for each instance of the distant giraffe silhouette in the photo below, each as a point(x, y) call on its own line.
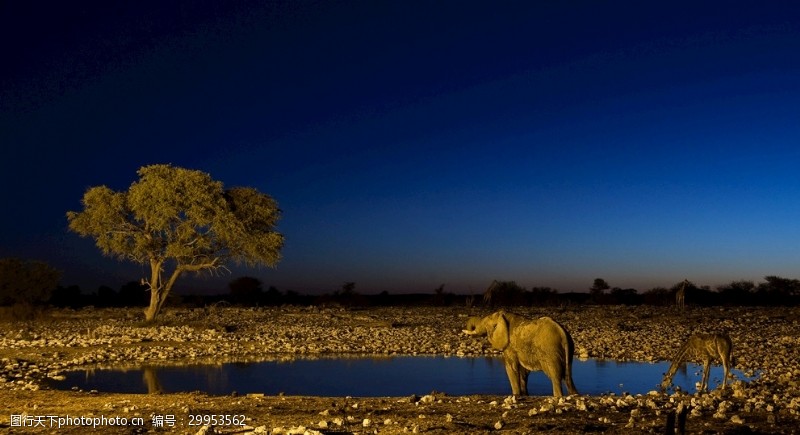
point(680, 295)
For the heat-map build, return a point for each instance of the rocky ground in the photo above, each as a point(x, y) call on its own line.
point(766, 340)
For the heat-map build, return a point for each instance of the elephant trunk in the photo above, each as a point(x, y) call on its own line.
point(474, 327)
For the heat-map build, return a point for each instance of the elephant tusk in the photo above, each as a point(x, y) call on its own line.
point(468, 332)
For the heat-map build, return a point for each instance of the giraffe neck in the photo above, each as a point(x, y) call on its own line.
point(680, 357)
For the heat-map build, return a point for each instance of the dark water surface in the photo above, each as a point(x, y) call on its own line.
point(377, 376)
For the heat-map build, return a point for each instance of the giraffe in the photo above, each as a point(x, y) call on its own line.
point(680, 295)
point(703, 348)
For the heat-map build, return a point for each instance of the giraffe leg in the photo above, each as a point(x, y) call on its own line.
point(706, 370)
point(725, 371)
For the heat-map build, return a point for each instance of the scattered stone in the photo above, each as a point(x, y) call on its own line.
point(766, 344)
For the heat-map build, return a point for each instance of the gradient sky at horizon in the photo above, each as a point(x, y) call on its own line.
point(413, 144)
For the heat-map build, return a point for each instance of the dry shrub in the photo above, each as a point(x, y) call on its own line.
point(20, 312)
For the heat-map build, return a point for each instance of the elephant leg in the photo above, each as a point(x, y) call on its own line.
point(568, 380)
point(555, 375)
point(557, 392)
point(513, 377)
point(557, 388)
point(523, 381)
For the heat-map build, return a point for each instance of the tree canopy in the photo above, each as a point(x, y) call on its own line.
point(180, 220)
point(598, 288)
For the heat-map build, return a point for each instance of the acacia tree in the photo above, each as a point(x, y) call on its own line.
point(179, 220)
point(599, 287)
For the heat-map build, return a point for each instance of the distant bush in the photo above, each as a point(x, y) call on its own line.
point(658, 296)
point(597, 290)
point(26, 282)
point(133, 294)
point(70, 296)
point(625, 296)
point(24, 286)
point(20, 312)
point(542, 296)
point(504, 293)
point(245, 291)
point(778, 291)
point(737, 293)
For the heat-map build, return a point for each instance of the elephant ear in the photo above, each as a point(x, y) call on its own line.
point(499, 337)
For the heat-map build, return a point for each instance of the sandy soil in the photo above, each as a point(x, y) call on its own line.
point(764, 339)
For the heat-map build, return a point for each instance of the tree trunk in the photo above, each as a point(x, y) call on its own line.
point(157, 298)
point(159, 291)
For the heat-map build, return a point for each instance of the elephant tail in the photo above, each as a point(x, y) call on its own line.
point(569, 351)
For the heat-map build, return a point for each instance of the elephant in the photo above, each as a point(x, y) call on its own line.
point(528, 345)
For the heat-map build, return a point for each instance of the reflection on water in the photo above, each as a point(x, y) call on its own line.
point(377, 376)
point(151, 382)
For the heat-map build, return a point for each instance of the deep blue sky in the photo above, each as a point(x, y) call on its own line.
point(413, 144)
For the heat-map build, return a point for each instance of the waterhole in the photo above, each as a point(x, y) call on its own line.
point(377, 377)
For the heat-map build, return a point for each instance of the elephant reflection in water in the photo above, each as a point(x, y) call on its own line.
point(528, 345)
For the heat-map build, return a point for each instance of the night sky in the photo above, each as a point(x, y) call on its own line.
point(412, 144)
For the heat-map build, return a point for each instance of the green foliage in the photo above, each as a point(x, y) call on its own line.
point(26, 281)
point(180, 214)
point(179, 219)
